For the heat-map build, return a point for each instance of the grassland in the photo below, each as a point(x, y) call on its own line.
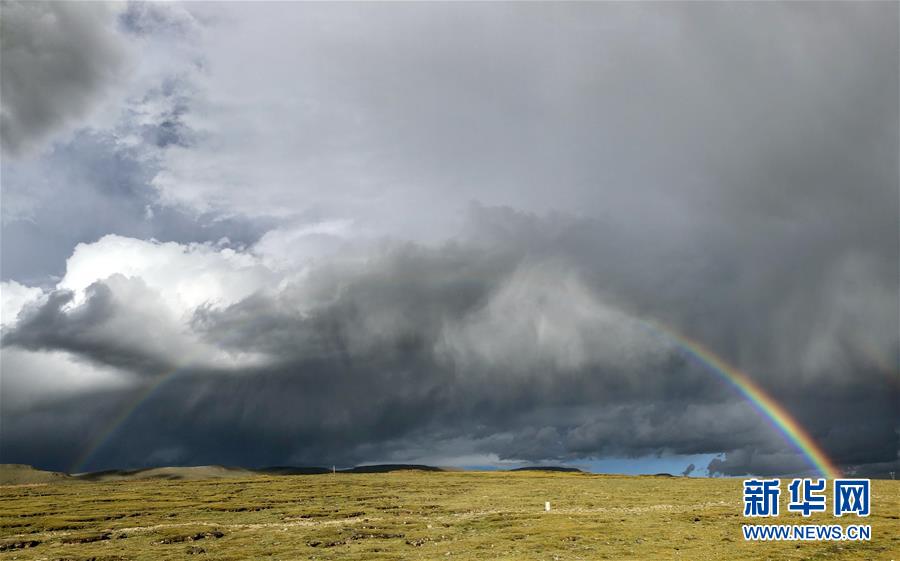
point(409, 515)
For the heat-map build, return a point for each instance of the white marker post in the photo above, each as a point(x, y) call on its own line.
point(547, 506)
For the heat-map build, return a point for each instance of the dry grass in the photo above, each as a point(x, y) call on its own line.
point(410, 515)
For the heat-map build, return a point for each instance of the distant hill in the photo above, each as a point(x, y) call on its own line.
point(21, 474)
point(292, 470)
point(173, 473)
point(384, 468)
point(548, 468)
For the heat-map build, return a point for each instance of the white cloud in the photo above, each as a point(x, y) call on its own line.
point(184, 276)
point(14, 297)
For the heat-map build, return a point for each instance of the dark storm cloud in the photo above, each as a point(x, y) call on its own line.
point(729, 171)
point(483, 348)
point(59, 59)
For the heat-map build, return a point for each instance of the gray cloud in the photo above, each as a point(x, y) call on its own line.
point(58, 60)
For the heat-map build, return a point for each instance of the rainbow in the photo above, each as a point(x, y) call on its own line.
point(124, 414)
point(762, 401)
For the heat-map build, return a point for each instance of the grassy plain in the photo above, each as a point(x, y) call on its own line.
point(410, 515)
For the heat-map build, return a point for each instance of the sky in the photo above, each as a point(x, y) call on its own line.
point(341, 233)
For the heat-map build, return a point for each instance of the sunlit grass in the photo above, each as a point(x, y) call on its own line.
point(411, 515)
